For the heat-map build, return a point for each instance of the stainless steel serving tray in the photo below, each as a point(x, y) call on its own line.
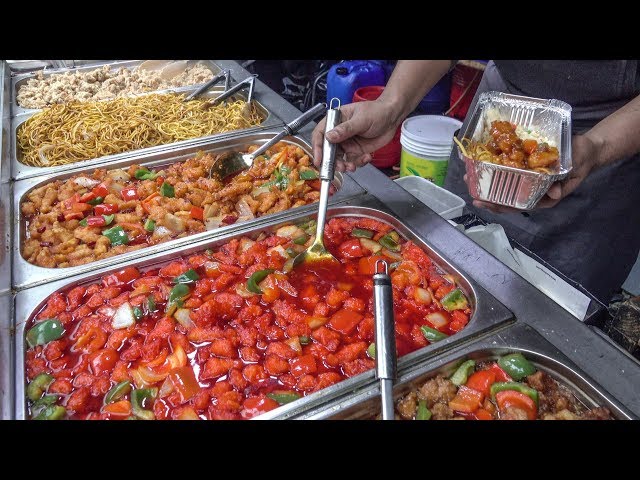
point(365, 403)
point(488, 313)
point(26, 274)
point(20, 170)
point(19, 80)
point(6, 357)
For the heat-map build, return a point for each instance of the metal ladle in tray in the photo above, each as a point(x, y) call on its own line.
point(386, 357)
point(317, 252)
point(235, 162)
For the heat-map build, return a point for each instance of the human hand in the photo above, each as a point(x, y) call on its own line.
point(586, 153)
point(365, 127)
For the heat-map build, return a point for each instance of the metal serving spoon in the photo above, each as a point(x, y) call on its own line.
point(386, 358)
point(317, 251)
point(236, 162)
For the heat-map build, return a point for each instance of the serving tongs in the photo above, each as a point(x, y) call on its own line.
point(386, 358)
point(225, 74)
point(248, 82)
point(236, 162)
point(317, 252)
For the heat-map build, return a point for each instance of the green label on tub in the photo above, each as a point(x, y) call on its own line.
point(434, 170)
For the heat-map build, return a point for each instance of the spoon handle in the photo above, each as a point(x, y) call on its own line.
point(329, 149)
point(327, 168)
point(292, 127)
point(386, 362)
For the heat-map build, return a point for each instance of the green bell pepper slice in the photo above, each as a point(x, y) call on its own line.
point(145, 174)
point(137, 312)
point(108, 219)
point(149, 225)
point(283, 397)
point(518, 387)
point(138, 397)
point(45, 332)
point(167, 190)
point(301, 240)
point(371, 351)
point(53, 412)
point(96, 201)
point(117, 392)
point(432, 334)
point(361, 233)
point(454, 300)
point(256, 278)
point(151, 303)
point(423, 412)
point(178, 293)
point(189, 276)
point(389, 242)
point(308, 175)
point(43, 402)
point(83, 222)
point(461, 375)
point(116, 235)
point(38, 386)
point(516, 366)
point(304, 340)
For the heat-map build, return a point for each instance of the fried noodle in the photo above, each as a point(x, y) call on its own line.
point(68, 133)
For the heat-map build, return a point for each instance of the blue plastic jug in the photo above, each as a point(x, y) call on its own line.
point(346, 77)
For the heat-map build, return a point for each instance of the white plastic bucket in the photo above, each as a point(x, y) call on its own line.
point(427, 141)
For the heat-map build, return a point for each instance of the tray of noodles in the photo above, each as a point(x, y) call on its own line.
point(63, 136)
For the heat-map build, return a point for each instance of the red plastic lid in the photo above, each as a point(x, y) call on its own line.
point(367, 93)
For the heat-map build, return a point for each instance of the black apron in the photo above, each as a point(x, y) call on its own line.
point(592, 235)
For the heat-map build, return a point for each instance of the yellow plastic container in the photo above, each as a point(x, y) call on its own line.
point(427, 141)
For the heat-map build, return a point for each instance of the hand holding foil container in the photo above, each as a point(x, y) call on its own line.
point(510, 186)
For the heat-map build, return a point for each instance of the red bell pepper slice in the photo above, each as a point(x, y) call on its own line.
point(75, 198)
point(105, 209)
point(128, 194)
point(100, 190)
point(121, 408)
point(81, 207)
point(73, 216)
point(501, 375)
point(511, 398)
point(367, 265)
point(87, 197)
point(351, 249)
point(467, 400)
point(121, 277)
point(482, 381)
point(483, 414)
point(345, 320)
point(197, 213)
point(96, 221)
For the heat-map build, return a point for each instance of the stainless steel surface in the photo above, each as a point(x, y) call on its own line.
point(386, 358)
point(5, 186)
point(317, 251)
point(363, 404)
point(488, 313)
point(224, 75)
point(328, 148)
point(26, 274)
point(617, 373)
point(21, 171)
point(238, 162)
point(510, 186)
point(6, 357)
point(21, 79)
